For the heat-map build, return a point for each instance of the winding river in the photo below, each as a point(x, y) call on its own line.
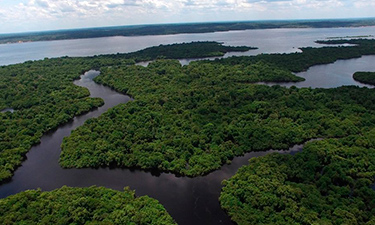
point(188, 200)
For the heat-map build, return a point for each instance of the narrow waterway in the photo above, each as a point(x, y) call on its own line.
point(188, 200)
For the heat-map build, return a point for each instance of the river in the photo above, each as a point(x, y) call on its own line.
point(188, 200)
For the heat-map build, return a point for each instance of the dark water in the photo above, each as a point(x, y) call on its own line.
point(188, 200)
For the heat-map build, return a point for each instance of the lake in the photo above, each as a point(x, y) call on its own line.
point(188, 200)
point(267, 40)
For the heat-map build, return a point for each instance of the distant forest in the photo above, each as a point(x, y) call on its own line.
point(163, 29)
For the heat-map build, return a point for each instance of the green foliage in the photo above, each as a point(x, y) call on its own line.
point(92, 205)
point(329, 182)
point(190, 120)
point(365, 77)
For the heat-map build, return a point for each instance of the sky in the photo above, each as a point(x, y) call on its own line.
point(39, 15)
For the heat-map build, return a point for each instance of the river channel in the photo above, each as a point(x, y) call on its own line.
point(188, 200)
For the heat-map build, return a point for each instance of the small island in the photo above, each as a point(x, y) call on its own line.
point(200, 49)
point(365, 77)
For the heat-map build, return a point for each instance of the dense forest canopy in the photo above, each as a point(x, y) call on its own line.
point(91, 205)
point(365, 77)
point(176, 121)
point(163, 29)
point(329, 182)
point(186, 50)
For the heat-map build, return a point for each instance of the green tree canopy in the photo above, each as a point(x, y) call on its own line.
point(92, 205)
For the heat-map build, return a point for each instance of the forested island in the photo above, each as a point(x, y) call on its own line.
point(190, 120)
point(91, 205)
point(164, 29)
point(201, 49)
point(365, 77)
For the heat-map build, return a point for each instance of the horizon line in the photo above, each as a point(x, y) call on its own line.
point(187, 23)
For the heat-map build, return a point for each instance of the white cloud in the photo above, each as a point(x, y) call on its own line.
point(55, 14)
point(364, 3)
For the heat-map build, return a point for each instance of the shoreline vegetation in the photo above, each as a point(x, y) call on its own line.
point(365, 77)
point(351, 37)
point(89, 205)
point(165, 29)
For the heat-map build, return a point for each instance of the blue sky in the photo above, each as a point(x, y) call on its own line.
point(37, 15)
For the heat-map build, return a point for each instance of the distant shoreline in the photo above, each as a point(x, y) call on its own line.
point(184, 28)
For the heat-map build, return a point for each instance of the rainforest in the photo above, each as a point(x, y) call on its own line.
point(190, 121)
